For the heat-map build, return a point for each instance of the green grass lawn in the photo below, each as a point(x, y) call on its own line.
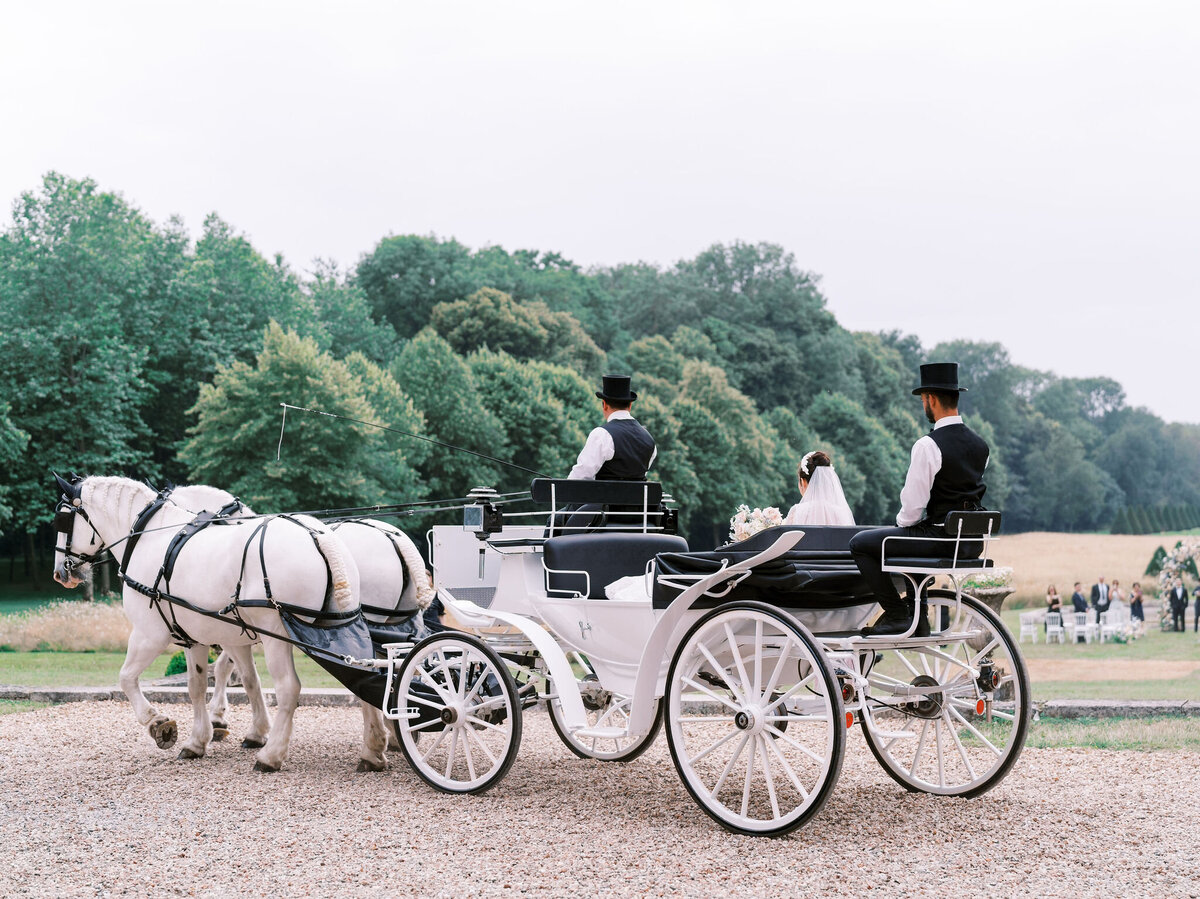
point(100, 669)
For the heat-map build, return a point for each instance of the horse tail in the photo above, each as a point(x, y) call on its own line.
point(415, 566)
point(335, 557)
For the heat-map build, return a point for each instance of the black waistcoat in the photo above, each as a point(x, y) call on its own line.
point(633, 448)
point(958, 485)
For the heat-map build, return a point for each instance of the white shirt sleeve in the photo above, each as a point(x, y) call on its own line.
point(598, 450)
point(926, 462)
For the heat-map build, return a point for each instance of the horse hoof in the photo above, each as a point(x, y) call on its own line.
point(364, 766)
point(265, 768)
point(186, 753)
point(252, 743)
point(164, 732)
point(220, 733)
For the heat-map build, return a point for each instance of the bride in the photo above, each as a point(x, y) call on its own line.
point(821, 497)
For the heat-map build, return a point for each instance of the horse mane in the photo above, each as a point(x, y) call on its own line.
point(127, 497)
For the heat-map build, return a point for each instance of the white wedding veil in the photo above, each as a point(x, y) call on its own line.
point(823, 502)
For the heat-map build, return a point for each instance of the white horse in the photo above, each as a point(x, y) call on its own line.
point(298, 555)
point(392, 577)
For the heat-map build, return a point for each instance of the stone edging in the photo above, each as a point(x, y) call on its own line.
point(337, 696)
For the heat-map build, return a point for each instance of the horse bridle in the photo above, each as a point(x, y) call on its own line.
point(70, 504)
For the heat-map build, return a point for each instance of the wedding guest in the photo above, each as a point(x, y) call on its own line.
point(1137, 614)
point(1178, 598)
point(1079, 604)
point(1116, 598)
point(1196, 608)
point(1053, 603)
point(1077, 600)
point(1100, 597)
point(821, 498)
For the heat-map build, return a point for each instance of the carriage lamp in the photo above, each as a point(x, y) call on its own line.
point(847, 691)
point(989, 677)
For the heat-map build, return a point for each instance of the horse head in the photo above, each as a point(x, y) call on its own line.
point(75, 530)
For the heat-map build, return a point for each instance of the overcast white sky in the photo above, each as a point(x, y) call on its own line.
point(1020, 172)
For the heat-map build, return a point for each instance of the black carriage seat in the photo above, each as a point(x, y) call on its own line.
point(583, 564)
point(819, 573)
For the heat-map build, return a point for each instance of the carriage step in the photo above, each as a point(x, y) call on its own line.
point(600, 733)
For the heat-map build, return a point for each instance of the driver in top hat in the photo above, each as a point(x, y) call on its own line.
point(945, 475)
point(620, 449)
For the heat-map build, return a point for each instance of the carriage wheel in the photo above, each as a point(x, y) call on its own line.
point(467, 730)
point(604, 709)
point(754, 719)
point(961, 739)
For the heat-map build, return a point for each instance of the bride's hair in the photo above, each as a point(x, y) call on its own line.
point(814, 460)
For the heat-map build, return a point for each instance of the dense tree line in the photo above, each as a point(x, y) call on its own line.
point(128, 347)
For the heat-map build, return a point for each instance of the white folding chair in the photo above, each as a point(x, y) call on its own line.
point(1078, 626)
point(1029, 627)
point(1054, 627)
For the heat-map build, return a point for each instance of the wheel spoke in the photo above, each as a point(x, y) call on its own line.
point(746, 684)
point(969, 726)
point(729, 765)
point(720, 670)
point(766, 766)
point(695, 685)
point(920, 749)
point(717, 745)
point(780, 735)
point(779, 665)
point(787, 768)
point(471, 735)
point(433, 746)
point(749, 779)
point(962, 753)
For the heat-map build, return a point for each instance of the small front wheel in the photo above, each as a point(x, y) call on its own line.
point(463, 727)
point(754, 719)
point(605, 709)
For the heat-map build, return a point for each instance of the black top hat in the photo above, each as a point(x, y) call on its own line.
point(616, 387)
point(939, 376)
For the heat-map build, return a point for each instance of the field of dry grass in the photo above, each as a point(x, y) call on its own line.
point(66, 627)
point(1040, 559)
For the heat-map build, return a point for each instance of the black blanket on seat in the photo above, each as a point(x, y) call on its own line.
point(818, 574)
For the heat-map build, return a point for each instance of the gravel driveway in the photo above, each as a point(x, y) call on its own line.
point(91, 808)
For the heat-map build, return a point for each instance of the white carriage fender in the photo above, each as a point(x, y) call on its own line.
point(665, 639)
point(556, 660)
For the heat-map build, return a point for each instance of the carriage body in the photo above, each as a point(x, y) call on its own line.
point(782, 614)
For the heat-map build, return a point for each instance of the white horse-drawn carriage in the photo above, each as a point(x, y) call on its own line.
point(753, 655)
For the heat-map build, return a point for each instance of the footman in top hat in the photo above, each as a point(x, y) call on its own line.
point(620, 449)
point(945, 475)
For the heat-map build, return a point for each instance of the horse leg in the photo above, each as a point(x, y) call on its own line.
point(261, 725)
point(141, 651)
point(375, 738)
point(202, 730)
point(287, 696)
point(217, 706)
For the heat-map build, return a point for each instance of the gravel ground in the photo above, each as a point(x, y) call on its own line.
point(91, 808)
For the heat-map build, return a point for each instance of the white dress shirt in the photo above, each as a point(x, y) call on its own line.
point(599, 449)
point(923, 467)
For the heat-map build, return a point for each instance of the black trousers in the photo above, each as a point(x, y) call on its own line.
point(867, 549)
point(1177, 616)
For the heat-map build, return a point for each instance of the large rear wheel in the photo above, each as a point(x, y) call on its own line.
point(754, 719)
point(950, 718)
point(465, 724)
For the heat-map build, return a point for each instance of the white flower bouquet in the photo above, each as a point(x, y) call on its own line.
point(747, 522)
